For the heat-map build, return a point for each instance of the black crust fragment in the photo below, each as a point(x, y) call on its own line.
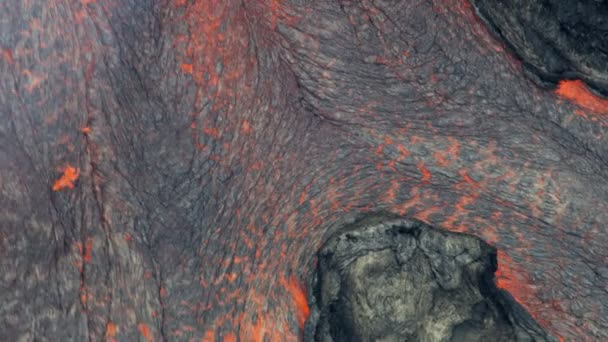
point(384, 278)
point(555, 39)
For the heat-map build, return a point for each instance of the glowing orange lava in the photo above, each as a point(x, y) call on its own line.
point(299, 298)
point(70, 175)
point(145, 332)
point(111, 329)
point(577, 92)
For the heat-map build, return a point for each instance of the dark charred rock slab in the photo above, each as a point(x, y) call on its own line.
point(555, 39)
point(389, 279)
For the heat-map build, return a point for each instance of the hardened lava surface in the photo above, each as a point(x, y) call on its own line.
point(169, 169)
point(555, 39)
point(384, 278)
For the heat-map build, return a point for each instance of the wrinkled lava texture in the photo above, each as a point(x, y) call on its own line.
point(170, 168)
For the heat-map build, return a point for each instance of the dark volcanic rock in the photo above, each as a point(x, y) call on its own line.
point(555, 39)
point(390, 279)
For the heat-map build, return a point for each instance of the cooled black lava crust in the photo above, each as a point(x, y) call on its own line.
point(556, 39)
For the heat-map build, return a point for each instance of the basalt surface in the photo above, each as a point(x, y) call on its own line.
point(170, 169)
